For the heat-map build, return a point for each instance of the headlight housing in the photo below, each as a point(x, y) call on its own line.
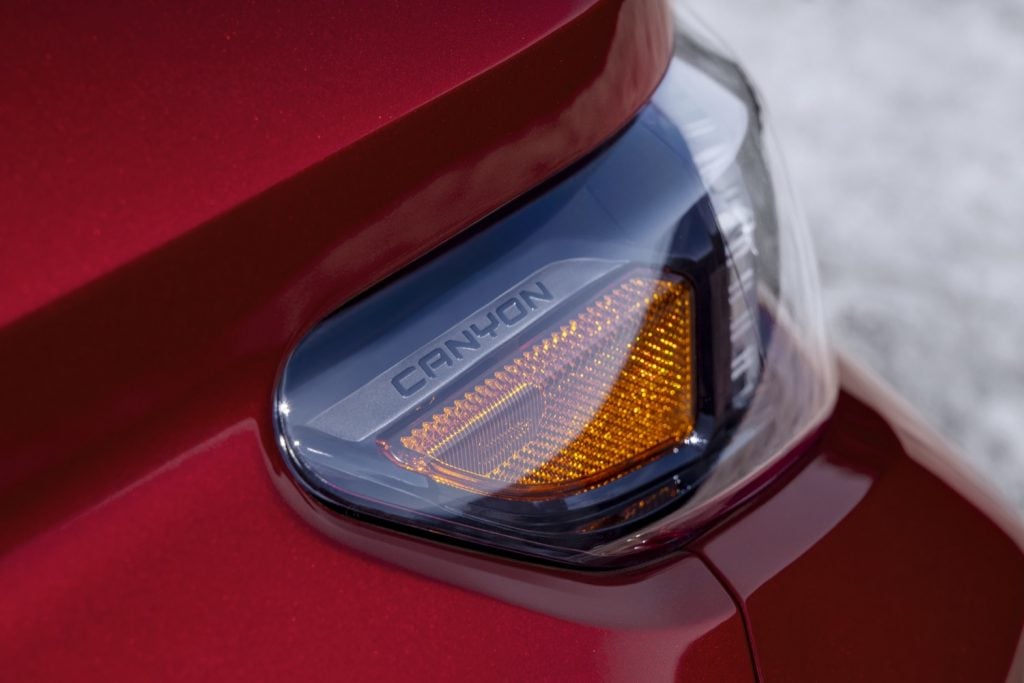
point(594, 373)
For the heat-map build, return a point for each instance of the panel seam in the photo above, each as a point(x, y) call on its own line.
point(741, 609)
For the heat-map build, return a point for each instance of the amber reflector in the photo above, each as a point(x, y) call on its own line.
point(609, 389)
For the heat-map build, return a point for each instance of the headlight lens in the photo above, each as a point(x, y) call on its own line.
point(593, 374)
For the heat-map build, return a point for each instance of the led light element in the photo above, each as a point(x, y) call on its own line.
point(608, 389)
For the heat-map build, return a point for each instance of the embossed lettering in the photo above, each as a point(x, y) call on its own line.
point(542, 294)
point(455, 346)
point(400, 383)
point(430, 362)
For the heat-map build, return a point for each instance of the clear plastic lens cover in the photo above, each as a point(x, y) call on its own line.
point(595, 372)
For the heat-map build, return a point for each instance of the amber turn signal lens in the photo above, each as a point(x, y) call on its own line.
point(610, 388)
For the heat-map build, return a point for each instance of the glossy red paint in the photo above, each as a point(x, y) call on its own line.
point(153, 250)
point(125, 126)
point(867, 566)
point(185, 193)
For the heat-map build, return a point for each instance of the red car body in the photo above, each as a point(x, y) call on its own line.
point(188, 188)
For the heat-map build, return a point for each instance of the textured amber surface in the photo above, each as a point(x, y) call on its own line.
point(606, 390)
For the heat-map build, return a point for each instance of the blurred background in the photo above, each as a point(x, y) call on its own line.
point(902, 125)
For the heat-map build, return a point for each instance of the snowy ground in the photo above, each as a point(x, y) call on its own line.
point(903, 127)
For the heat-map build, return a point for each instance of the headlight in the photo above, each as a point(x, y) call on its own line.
point(596, 372)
